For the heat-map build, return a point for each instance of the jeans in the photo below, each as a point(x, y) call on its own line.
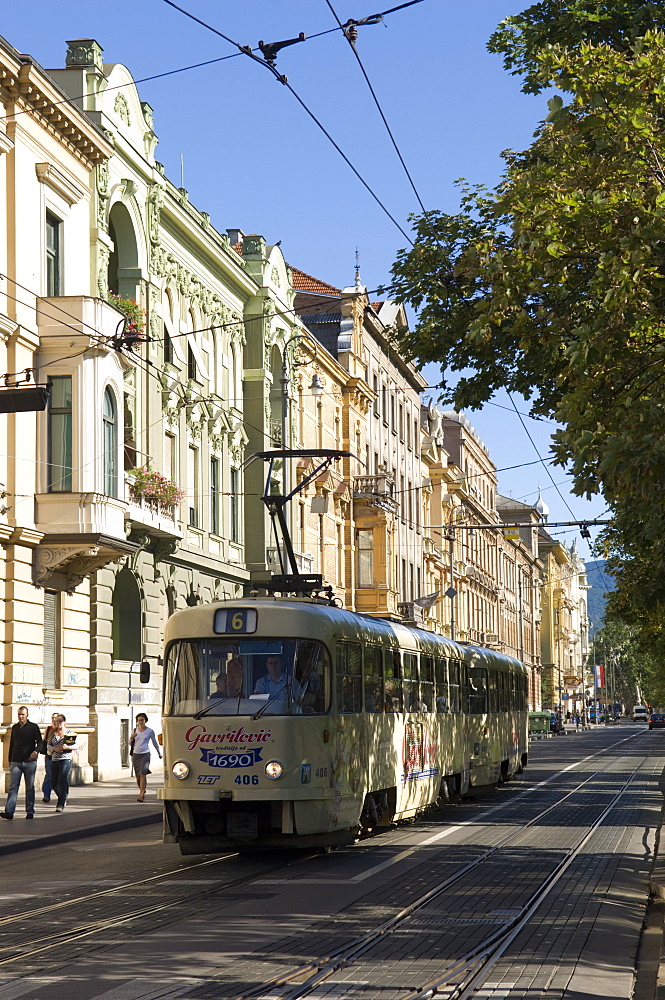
point(47, 787)
point(27, 769)
point(60, 778)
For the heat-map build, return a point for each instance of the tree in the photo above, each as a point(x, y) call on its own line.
point(523, 37)
point(553, 284)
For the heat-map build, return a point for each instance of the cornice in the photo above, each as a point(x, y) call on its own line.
point(54, 178)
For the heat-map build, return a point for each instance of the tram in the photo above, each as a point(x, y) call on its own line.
point(288, 722)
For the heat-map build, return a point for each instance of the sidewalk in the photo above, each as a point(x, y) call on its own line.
point(103, 807)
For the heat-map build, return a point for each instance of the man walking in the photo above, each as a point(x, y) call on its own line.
point(26, 739)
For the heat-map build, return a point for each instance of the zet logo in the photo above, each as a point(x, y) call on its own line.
point(208, 779)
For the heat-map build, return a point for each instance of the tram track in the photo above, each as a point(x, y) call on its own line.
point(471, 969)
point(54, 939)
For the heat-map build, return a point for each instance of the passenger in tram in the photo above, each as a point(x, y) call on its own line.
point(229, 685)
point(275, 681)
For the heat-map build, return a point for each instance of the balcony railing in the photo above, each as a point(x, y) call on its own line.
point(304, 561)
point(158, 518)
point(380, 487)
point(410, 612)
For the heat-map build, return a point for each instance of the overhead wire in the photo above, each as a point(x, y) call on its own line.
point(347, 34)
point(245, 50)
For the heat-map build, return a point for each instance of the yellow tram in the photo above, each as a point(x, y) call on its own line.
point(289, 722)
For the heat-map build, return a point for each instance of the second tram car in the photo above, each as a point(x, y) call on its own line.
point(288, 722)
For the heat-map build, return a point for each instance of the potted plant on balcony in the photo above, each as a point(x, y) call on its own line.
point(134, 328)
point(153, 489)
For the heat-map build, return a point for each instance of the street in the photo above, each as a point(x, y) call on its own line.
point(535, 884)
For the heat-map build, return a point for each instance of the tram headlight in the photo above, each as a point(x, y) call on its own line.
point(180, 769)
point(274, 769)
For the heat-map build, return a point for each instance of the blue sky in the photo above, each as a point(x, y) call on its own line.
point(254, 159)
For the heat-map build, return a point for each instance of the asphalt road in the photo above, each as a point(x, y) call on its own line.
point(124, 917)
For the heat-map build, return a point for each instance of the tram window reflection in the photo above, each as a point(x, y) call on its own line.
point(225, 677)
point(374, 696)
point(455, 687)
point(410, 682)
point(349, 677)
point(427, 683)
point(477, 691)
point(393, 678)
point(442, 698)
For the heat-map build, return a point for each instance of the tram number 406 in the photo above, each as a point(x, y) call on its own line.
point(246, 779)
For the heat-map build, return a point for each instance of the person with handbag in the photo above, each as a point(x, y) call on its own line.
point(47, 787)
point(62, 743)
point(139, 744)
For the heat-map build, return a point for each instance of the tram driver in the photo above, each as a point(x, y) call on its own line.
point(275, 682)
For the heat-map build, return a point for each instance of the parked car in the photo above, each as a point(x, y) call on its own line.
point(595, 716)
point(657, 720)
point(640, 714)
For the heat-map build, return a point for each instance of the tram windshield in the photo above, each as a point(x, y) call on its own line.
point(249, 677)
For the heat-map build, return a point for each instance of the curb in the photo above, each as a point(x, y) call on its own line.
point(79, 833)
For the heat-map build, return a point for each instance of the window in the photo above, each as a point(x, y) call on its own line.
point(235, 505)
point(127, 629)
point(427, 683)
point(193, 485)
point(349, 679)
point(191, 364)
point(374, 698)
point(168, 347)
point(53, 259)
point(214, 496)
point(410, 682)
point(441, 670)
point(393, 680)
point(51, 638)
point(455, 686)
point(110, 433)
point(170, 469)
point(477, 691)
point(365, 558)
point(60, 435)
point(375, 387)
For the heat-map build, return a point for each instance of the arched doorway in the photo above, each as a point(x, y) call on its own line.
point(127, 628)
point(123, 266)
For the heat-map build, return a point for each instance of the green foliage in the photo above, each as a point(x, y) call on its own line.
point(553, 286)
point(523, 38)
point(156, 489)
point(636, 668)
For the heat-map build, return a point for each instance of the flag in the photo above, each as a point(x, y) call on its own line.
point(428, 601)
point(599, 671)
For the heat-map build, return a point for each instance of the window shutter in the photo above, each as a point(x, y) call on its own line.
point(50, 637)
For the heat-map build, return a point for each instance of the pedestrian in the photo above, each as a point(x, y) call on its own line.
point(24, 746)
point(62, 742)
point(47, 787)
point(140, 743)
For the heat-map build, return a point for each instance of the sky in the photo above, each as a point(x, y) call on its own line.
point(251, 155)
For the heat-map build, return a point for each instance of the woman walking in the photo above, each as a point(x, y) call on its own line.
point(141, 739)
point(47, 787)
point(61, 742)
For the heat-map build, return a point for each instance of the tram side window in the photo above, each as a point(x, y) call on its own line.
point(477, 691)
point(442, 697)
point(427, 683)
point(504, 692)
point(183, 662)
point(374, 698)
point(393, 676)
point(410, 682)
point(493, 677)
point(349, 677)
point(455, 687)
point(311, 672)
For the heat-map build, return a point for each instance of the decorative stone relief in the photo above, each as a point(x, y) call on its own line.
point(148, 115)
point(129, 189)
point(85, 52)
point(102, 194)
point(155, 321)
point(162, 549)
point(121, 108)
point(103, 254)
point(164, 265)
point(274, 274)
point(155, 202)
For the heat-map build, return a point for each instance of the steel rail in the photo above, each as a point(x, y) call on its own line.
point(495, 946)
point(324, 968)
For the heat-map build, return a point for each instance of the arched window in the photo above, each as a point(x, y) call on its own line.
point(126, 629)
point(110, 431)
